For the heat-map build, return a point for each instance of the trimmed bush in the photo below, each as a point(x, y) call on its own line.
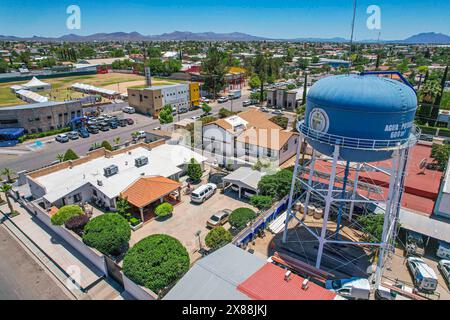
point(261, 202)
point(105, 144)
point(163, 210)
point(108, 233)
point(77, 223)
point(156, 262)
point(218, 237)
point(65, 213)
point(240, 217)
point(70, 155)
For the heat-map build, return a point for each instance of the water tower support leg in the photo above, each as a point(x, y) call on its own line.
point(341, 204)
point(311, 173)
point(291, 195)
point(387, 216)
point(355, 189)
point(328, 200)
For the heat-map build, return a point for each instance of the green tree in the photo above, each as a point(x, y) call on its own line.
point(441, 153)
point(7, 172)
point(240, 217)
point(372, 226)
point(163, 210)
point(70, 155)
point(194, 171)
point(254, 82)
point(214, 68)
point(154, 52)
point(165, 260)
point(60, 157)
point(206, 108)
point(261, 69)
point(276, 185)
point(65, 213)
point(105, 144)
point(108, 233)
point(3, 66)
point(116, 141)
point(225, 113)
point(122, 206)
point(218, 237)
point(165, 115)
point(261, 202)
point(5, 189)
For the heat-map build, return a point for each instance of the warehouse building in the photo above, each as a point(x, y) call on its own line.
point(40, 117)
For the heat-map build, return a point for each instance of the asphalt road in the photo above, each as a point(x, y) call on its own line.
point(22, 278)
point(46, 155)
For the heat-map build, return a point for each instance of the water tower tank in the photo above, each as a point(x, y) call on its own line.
point(366, 115)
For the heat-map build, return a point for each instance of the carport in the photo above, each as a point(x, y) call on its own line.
point(244, 178)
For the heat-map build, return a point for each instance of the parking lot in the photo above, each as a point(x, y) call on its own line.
point(188, 218)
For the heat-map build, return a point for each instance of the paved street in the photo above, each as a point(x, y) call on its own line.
point(29, 160)
point(21, 278)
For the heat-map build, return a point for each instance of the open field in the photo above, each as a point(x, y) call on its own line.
point(137, 84)
point(60, 86)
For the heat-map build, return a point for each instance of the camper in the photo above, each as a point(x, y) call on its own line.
point(352, 288)
point(423, 275)
point(443, 250)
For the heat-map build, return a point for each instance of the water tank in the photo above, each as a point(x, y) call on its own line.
point(366, 115)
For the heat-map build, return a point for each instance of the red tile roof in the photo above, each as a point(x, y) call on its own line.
point(268, 284)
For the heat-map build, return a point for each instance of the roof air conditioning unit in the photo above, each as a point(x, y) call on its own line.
point(111, 170)
point(141, 161)
point(287, 276)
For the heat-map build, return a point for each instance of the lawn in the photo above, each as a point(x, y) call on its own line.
point(60, 86)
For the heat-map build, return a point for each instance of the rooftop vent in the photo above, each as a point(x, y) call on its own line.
point(99, 183)
point(141, 161)
point(305, 284)
point(111, 170)
point(287, 276)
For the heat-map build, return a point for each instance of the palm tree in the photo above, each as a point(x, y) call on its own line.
point(60, 157)
point(116, 140)
point(5, 188)
point(8, 173)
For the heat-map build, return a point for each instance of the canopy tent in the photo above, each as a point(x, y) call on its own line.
point(31, 97)
point(86, 88)
point(33, 85)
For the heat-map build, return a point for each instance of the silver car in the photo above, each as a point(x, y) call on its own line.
point(444, 268)
point(219, 219)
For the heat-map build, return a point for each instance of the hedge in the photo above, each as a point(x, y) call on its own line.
point(77, 223)
point(43, 134)
point(163, 210)
point(217, 237)
point(240, 217)
point(65, 213)
point(156, 262)
point(108, 233)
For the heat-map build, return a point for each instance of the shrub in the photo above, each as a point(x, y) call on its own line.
point(77, 223)
point(280, 121)
point(261, 202)
point(163, 210)
point(277, 185)
point(156, 262)
point(134, 221)
point(240, 217)
point(70, 155)
point(217, 237)
point(108, 233)
point(194, 170)
point(105, 144)
point(65, 213)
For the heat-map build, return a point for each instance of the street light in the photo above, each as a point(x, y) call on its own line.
point(197, 234)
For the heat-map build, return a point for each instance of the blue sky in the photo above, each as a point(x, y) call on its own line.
point(269, 18)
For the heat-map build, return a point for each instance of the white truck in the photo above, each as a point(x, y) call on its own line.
point(352, 288)
point(235, 94)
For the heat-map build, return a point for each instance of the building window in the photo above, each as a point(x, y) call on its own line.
point(269, 153)
point(77, 198)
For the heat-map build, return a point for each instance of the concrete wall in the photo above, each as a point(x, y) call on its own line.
point(137, 291)
point(291, 149)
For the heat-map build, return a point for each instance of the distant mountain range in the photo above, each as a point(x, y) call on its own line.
point(421, 38)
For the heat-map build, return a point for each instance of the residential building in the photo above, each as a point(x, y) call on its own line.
point(247, 137)
point(102, 176)
point(40, 117)
point(151, 100)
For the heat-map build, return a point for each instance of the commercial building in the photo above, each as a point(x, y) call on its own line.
point(247, 137)
point(40, 117)
point(151, 100)
point(283, 98)
point(102, 176)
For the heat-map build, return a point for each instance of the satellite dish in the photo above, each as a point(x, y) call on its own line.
point(422, 165)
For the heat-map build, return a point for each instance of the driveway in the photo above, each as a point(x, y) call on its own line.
point(189, 218)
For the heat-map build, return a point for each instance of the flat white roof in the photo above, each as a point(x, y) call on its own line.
point(164, 161)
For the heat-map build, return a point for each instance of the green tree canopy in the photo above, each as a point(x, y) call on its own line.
point(276, 185)
point(261, 202)
point(105, 144)
point(194, 170)
point(156, 262)
point(218, 237)
point(108, 233)
point(254, 82)
point(65, 213)
point(70, 155)
point(163, 210)
point(240, 217)
point(165, 115)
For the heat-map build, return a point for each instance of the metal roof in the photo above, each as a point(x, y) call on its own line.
point(217, 276)
point(36, 105)
point(425, 225)
point(245, 177)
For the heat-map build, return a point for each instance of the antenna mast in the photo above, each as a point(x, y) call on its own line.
point(353, 25)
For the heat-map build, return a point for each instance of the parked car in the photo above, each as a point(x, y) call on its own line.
point(114, 124)
point(203, 193)
point(183, 110)
point(246, 103)
point(128, 110)
point(141, 135)
point(83, 133)
point(196, 118)
point(222, 99)
point(129, 121)
point(103, 126)
point(278, 112)
point(122, 123)
point(219, 218)
point(62, 138)
point(264, 109)
point(73, 135)
point(444, 268)
point(92, 129)
point(423, 275)
point(352, 288)
point(204, 99)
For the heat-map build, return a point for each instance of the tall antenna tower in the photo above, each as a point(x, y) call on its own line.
point(147, 70)
point(353, 25)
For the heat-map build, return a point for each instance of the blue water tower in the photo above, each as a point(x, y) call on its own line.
point(366, 115)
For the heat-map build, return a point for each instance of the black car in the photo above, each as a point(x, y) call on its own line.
point(92, 129)
point(83, 133)
point(123, 122)
point(130, 121)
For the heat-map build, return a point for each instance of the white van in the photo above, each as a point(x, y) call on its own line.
point(203, 193)
point(424, 277)
point(353, 288)
point(129, 110)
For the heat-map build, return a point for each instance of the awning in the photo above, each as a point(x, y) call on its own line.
point(425, 225)
point(245, 177)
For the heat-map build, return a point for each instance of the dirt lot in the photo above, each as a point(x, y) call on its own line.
point(188, 218)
